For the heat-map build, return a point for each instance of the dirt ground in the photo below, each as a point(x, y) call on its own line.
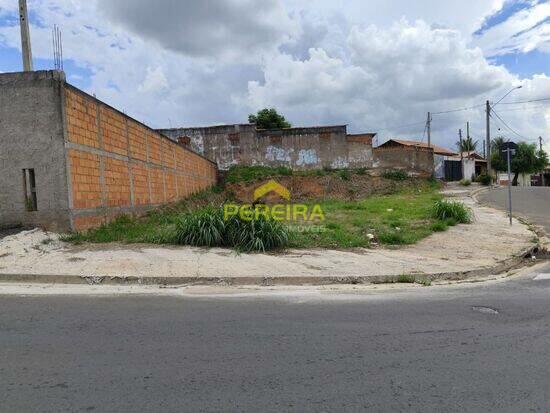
point(304, 188)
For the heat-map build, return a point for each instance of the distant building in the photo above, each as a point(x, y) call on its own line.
point(296, 148)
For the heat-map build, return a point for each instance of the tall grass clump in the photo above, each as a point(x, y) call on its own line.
point(203, 228)
point(452, 211)
point(208, 228)
point(257, 235)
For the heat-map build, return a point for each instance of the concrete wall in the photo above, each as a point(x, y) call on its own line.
point(468, 168)
point(92, 162)
point(31, 137)
point(416, 161)
point(296, 148)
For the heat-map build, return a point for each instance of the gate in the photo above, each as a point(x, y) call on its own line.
point(453, 170)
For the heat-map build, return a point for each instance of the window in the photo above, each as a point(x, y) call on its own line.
point(29, 186)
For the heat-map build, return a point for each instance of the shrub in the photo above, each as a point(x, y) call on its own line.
point(203, 228)
point(484, 179)
point(465, 182)
point(395, 175)
point(450, 210)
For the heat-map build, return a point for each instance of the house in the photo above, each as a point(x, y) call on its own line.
point(441, 169)
point(473, 164)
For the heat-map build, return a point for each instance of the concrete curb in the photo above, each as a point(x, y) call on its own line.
point(516, 261)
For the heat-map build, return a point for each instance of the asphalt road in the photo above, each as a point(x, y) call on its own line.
point(473, 347)
point(531, 202)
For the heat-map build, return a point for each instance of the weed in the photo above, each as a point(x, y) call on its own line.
point(439, 226)
point(426, 282)
point(344, 175)
point(406, 279)
point(395, 175)
point(361, 171)
point(251, 173)
point(465, 182)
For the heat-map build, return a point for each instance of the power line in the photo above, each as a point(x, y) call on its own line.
point(524, 101)
point(524, 108)
point(506, 125)
point(402, 126)
point(457, 110)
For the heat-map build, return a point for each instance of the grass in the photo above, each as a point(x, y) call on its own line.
point(251, 173)
point(398, 219)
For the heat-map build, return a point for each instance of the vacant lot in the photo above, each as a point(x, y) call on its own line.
point(359, 210)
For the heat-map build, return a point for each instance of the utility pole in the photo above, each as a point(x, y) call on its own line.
point(509, 151)
point(542, 172)
point(484, 155)
point(488, 136)
point(468, 135)
point(461, 154)
point(25, 36)
point(429, 127)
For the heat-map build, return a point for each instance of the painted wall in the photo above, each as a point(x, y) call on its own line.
point(296, 148)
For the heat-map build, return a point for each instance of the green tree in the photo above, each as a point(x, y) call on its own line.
point(527, 160)
point(269, 119)
point(468, 145)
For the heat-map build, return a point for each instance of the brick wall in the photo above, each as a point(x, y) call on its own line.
point(118, 165)
point(411, 159)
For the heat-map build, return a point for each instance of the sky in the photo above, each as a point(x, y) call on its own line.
point(375, 65)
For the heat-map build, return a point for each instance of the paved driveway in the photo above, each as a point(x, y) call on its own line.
point(531, 202)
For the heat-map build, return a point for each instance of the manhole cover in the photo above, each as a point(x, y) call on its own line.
point(485, 310)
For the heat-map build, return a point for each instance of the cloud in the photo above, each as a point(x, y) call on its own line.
point(524, 31)
point(214, 28)
point(392, 77)
point(318, 63)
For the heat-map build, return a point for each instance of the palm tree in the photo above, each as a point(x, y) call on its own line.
point(497, 143)
point(467, 145)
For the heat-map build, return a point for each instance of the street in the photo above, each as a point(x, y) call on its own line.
point(530, 202)
point(482, 347)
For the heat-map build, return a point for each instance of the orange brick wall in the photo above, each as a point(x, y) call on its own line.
point(118, 165)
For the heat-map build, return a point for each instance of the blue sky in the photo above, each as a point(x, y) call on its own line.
point(373, 65)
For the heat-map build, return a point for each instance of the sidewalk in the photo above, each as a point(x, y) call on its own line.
point(487, 246)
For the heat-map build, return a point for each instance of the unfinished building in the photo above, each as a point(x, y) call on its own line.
point(71, 162)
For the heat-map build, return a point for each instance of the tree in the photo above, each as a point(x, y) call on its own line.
point(468, 145)
point(269, 119)
point(527, 160)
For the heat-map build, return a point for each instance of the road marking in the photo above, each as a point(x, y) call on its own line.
point(542, 276)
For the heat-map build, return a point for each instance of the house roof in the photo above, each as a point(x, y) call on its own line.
point(437, 149)
point(474, 155)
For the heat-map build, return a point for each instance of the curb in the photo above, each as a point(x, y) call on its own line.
point(516, 261)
